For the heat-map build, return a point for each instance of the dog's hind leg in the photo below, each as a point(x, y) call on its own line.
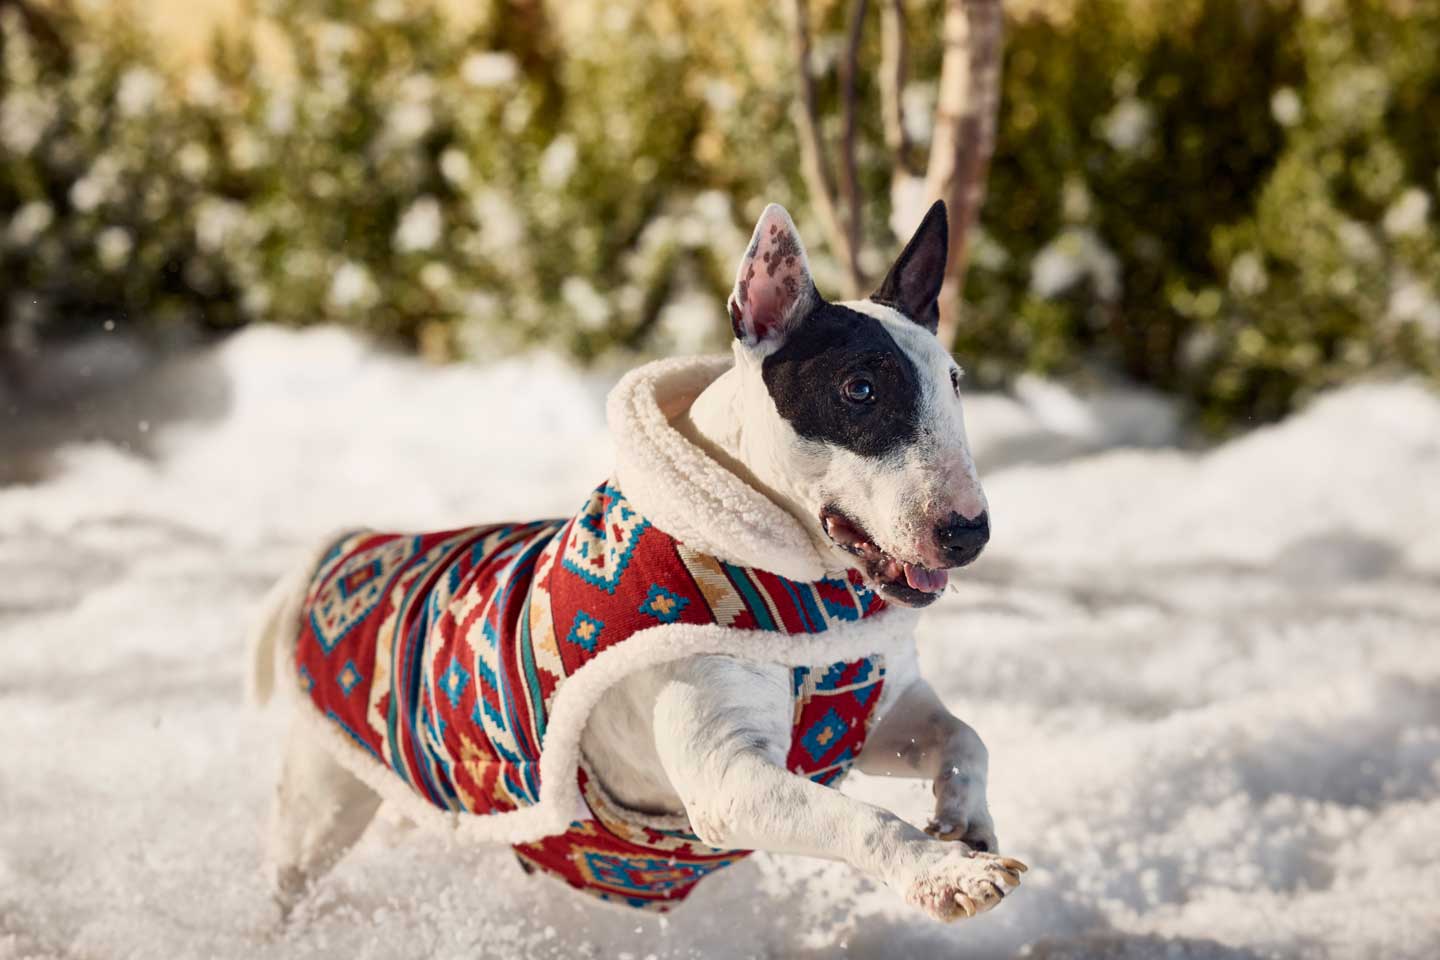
point(319, 810)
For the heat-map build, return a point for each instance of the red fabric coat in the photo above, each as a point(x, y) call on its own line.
point(440, 655)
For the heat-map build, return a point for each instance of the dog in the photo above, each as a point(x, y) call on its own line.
point(640, 694)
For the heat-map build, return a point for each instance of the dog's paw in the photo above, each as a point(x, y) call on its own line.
point(963, 883)
point(978, 834)
point(961, 812)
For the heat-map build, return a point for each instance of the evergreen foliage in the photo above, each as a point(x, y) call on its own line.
point(1229, 200)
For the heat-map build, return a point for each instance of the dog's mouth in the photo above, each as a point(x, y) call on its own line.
point(908, 583)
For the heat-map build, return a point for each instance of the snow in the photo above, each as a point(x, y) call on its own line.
point(1210, 681)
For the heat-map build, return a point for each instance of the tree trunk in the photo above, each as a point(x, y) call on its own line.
point(964, 134)
point(843, 232)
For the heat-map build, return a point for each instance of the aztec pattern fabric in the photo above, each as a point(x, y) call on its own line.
point(440, 654)
point(624, 857)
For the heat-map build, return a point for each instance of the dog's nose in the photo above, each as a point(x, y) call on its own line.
point(961, 540)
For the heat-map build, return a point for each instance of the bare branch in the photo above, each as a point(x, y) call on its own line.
point(964, 137)
point(849, 177)
point(894, 65)
point(806, 114)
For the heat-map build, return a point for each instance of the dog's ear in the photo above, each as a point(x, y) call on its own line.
point(913, 284)
point(773, 289)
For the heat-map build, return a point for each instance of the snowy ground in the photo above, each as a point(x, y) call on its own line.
point(1210, 682)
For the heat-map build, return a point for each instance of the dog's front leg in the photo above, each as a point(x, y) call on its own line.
point(723, 730)
point(919, 737)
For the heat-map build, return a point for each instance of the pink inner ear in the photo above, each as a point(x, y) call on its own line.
point(774, 278)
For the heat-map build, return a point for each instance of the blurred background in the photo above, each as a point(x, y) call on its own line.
point(269, 268)
point(1230, 201)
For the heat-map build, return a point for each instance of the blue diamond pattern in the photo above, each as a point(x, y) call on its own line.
point(585, 632)
point(663, 605)
point(348, 677)
point(819, 739)
point(453, 682)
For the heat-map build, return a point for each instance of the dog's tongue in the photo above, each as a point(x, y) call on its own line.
point(926, 581)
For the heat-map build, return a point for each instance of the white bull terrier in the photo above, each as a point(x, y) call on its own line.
point(639, 694)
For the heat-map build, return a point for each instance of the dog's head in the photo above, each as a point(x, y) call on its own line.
point(863, 433)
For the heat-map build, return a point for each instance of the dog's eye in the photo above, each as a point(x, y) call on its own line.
point(955, 379)
point(859, 390)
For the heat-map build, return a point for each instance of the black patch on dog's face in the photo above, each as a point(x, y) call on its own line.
point(834, 347)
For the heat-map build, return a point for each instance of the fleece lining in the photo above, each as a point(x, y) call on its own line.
point(749, 567)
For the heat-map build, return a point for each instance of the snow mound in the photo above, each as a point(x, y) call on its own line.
point(1210, 682)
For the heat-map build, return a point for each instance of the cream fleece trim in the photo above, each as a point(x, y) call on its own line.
point(889, 633)
point(683, 491)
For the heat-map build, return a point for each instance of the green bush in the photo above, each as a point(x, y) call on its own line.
point(1334, 270)
point(463, 192)
point(428, 187)
point(1230, 200)
point(101, 181)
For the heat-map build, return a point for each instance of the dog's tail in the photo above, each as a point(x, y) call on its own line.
point(271, 640)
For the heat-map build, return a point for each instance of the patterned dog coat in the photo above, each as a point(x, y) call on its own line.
point(464, 663)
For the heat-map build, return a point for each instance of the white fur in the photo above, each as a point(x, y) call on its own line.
point(889, 633)
point(899, 500)
point(684, 490)
point(692, 723)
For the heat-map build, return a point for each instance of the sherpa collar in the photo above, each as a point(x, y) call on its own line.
point(683, 491)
